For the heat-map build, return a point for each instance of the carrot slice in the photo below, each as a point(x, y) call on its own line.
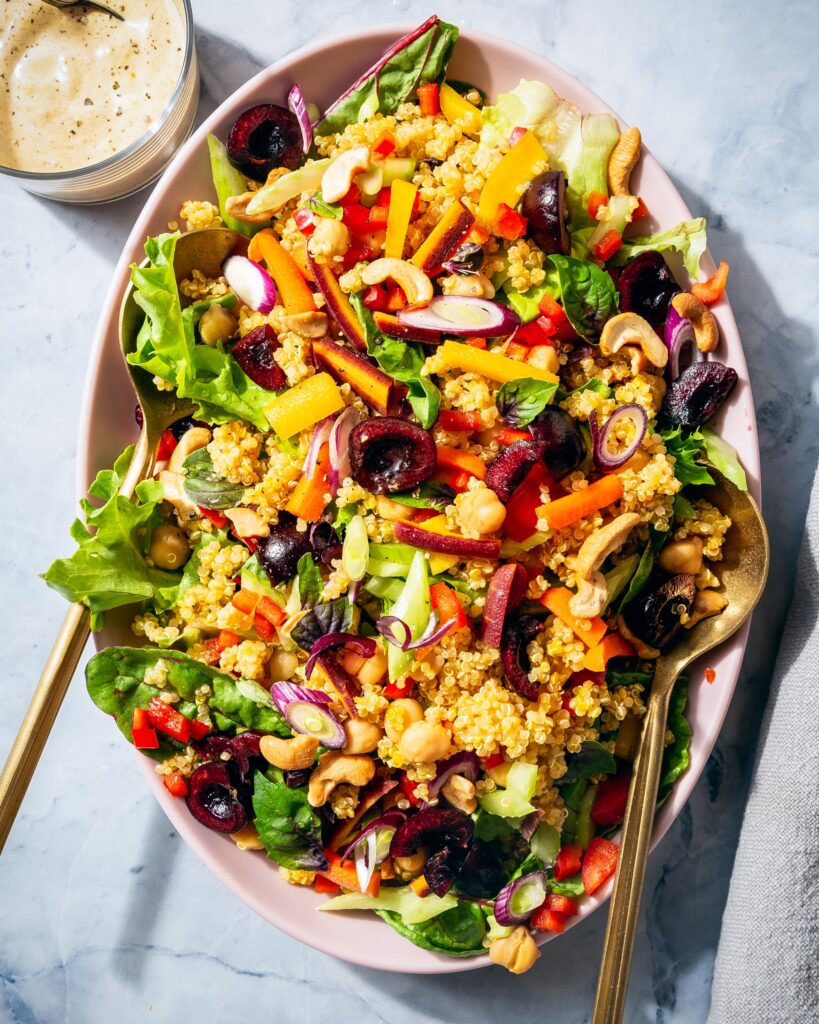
point(713, 289)
point(345, 875)
point(307, 501)
point(454, 458)
point(294, 291)
point(590, 631)
point(611, 646)
point(566, 511)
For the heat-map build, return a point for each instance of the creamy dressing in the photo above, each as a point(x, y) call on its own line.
point(78, 86)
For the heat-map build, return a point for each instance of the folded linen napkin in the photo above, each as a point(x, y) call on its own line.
point(767, 969)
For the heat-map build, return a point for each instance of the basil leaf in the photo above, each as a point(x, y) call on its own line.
point(332, 617)
point(400, 359)
point(587, 293)
point(420, 56)
point(310, 581)
point(287, 825)
point(568, 887)
point(426, 495)
point(425, 400)
point(343, 515)
point(521, 401)
point(317, 205)
point(592, 759)
point(205, 487)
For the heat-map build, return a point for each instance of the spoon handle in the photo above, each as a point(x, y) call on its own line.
point(51, 689)
point(618, 946)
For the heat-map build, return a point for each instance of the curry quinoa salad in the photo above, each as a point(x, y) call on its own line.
point(399, 582)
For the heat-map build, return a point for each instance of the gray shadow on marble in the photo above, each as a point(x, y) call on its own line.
point(151, 875)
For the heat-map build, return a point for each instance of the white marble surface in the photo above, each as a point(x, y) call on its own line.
point(104, 913)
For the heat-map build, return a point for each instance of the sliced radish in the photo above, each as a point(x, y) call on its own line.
point(251, 283)
point(465, 315)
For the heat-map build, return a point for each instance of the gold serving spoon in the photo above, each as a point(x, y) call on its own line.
point(743, 572)
point(63, 5)
point(203, 250)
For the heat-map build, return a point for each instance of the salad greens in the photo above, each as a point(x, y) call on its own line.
point(687, 238)
point(588, 294)
point(592, 759)
point(287, 825)
point(723, 457)
point(402, 900)
point(228, 182)
point(205, 487)
point(459, 931)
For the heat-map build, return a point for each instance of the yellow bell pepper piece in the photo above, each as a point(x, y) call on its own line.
point(439, 562)
point(460, 111)
point(505, 182)
point(456, 356)
point(402, 196)
point(304, 404)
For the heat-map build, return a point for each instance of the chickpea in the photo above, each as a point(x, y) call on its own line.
point(281, 666)
point(481, 511)
point(516, 952)
point(217, 324)
point(544, 357)
point(169, 547)
point(331, 238)
point(682, 556)
point(362, 737)
point(410, 867)
point(423, 742)
point(373, 669)
point(401, 714)
point(391, 510)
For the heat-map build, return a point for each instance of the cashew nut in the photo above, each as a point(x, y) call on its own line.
point(544, 357)
point(517, 951)
point(460, 792)
point(590, 599)
point(682, 556)
point(337, 179)
point(415, 283)
point(289, 755)
point(362, 737)
point(481, 511)
point(236, 207)
point(173, 491)
point(631, 329)
point(247, 523)
point(643, 650)
point(622, 160)
point(330, 240)
point(477, 285)
point(706, 604)
point(308, 325)
point(247, 838)
point(636, 357)
point(191, 441)
point(335, 768)
point(423, 742)
point(706, 329)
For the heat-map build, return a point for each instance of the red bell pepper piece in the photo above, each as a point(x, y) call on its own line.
point(352, 195)
point(521, 509)
point(545, 919)
point(384, 196)
point(396, 299)
point(557, 323)
point(428, 99)
point(408, 789)
point(445, 602)
point(609, 807)
point(217, 518)
point(356, 217)
point(305, 221)
point(167, 443)
point(568, 861)
point(375, 297)
point(378, 217)
point(477, 343)
point(357, 254)
point(142, 732)
point(599, 863)
point(562, 904)
point(394, 691)
point(537, 332)
point(516, 134)
point(175, 784)
point(640, 212)
point(596, 200)
point(383, 146)
point(509, 435)
point(713, 289)
point(608, 245)
point(514, 350)
point(325, 887)
point(168, 720)
point(509, 223)
point(456, 419)
point(198, 729)
point(492, 761)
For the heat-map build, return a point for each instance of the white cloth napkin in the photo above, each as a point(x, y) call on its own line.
point(767, 969)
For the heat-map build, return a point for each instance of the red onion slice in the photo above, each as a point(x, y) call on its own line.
point(465, 763)
point(251, 283)
point(463, 315)
point(516, 902)
point(297, 103)
point(679, 336)
point(431, 635)
point(339, 439)
point(607, 455)
point(321, 434)
point(284, 694)
point(311, 719)
point(362, 645)
point(389, 820)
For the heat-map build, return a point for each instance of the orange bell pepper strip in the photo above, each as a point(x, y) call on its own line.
point(458, 110)
point(292, 287)
point(324, 887)
point(304, 404)
point(454, 458)
point(568, 510)
point(713, 289)
point(401, 199)
point(445, 602)
point(507, 178)
point(455, 356)
point(344, 875)
point(308, 499)
point(611, 646)
point(590, 631)
point(428, 99)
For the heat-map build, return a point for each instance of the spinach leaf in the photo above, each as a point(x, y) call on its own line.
point(425, 400)
point(568, 887)
point(205, 487)
point(287, 825)
point(109, 567)
point(676, 757)
point(521, 401)
point(332, 617)
point(420, 56)
point(228, 182)
point(641, 576)
point(456, 932)
point(489, 827)
point(310, 581)
point(688, 451)
point(587, 293)
point(683, 509)
point(116, 683)
point(592, 759)
point(617, 677)
point(426, 495)
point(317, 205)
